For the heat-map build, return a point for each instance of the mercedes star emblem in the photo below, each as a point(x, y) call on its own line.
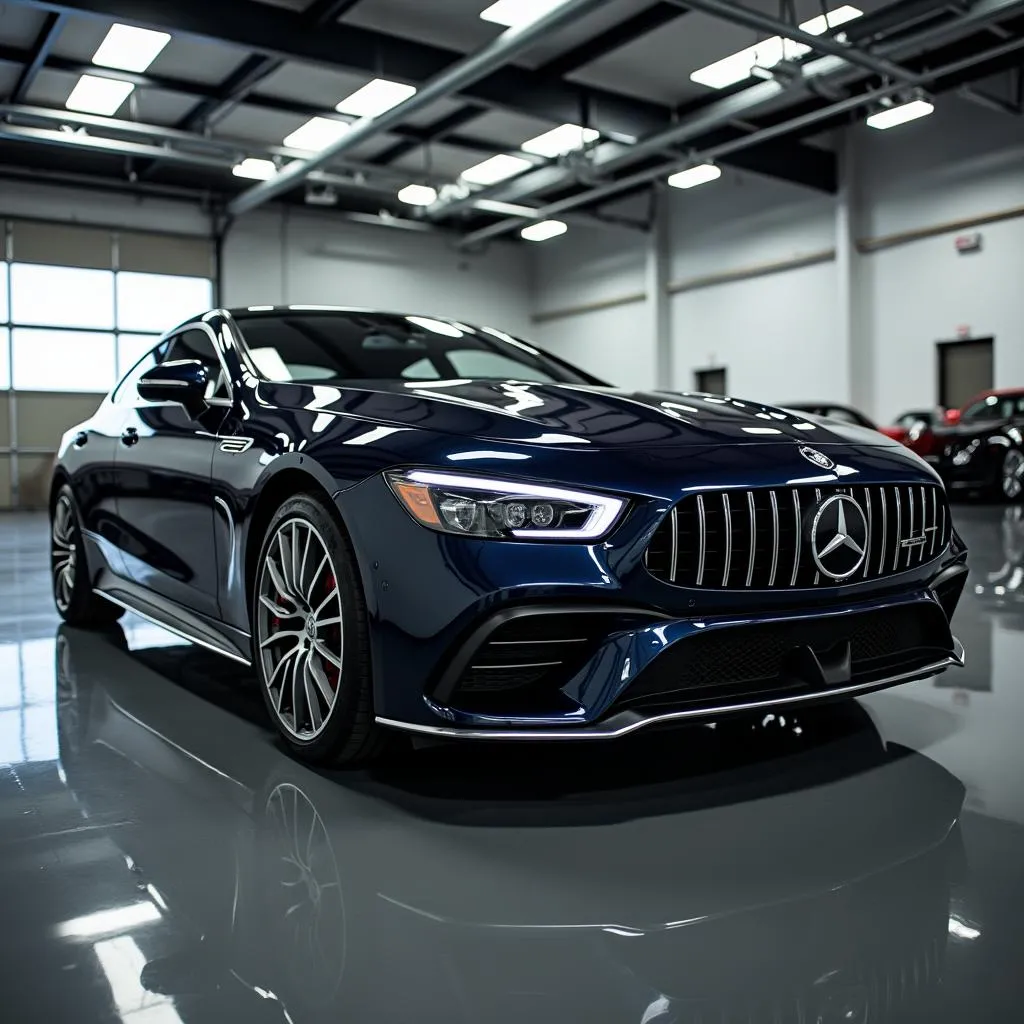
point(812, 455)
point(839, 537)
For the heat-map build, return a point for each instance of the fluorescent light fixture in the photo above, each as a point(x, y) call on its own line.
point(496, 169)
point(563, 139)
point(316, 134)
point(892, 116)
point(513, 13)
point(544, 230)
point(130, 48)
point(769, 52)
point(961, 929)
point(252, 167)
point(375, 97)
point(508, 209)
point(98, 95)
point(692, 176)
point(108, 922)
point(436, 326)
point(418, 195)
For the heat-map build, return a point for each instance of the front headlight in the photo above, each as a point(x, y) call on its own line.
point(503, 509)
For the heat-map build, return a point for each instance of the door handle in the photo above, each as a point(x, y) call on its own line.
point(130, 436)
point(81, 439)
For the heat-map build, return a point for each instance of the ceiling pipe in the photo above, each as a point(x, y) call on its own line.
point(715, 152)
point(748, 18)
point(610, 158)
point(459, 75)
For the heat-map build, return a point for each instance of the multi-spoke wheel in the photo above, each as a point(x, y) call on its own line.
point(76, 601)
point(1013, 474)
point(310, 639)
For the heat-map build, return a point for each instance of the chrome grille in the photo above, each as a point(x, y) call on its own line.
point(759, 539)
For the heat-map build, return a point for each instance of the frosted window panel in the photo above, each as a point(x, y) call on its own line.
point(63, 360)
point(158, 302)
point(4, 310)
point(5, 364)
point(62, 296)
point(131, 348)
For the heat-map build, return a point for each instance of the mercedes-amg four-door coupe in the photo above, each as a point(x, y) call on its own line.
point(407, 523)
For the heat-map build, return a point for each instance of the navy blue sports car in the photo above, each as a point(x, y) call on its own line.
point(407, 523)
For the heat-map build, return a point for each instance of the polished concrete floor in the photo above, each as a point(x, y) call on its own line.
point(162, 861)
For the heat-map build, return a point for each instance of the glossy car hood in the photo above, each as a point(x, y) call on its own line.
point(565, 414)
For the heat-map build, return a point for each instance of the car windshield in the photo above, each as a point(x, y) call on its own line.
point(336, 346)
point(996, 407)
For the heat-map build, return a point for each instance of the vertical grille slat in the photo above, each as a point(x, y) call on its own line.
point(727, 513)
point(711, 542)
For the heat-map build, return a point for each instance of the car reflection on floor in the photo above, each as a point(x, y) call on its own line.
point(784, 868)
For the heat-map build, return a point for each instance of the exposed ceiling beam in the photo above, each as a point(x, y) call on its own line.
point(48, 34)
point(614, 38)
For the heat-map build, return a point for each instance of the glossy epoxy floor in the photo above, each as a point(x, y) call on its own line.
point(162, 861)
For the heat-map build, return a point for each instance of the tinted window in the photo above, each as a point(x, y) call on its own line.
point(995, 407)
point(125, 391)
point(332, 347)
point(196, 344)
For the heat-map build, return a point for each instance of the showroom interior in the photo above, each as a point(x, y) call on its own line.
point(810, 205)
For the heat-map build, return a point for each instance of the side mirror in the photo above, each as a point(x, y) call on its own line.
point(181, 380)
point(952, 416)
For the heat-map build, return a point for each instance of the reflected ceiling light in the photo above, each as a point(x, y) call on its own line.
point(961, 929)
point(769, 52)
point(98, 95)
point(435, 326)
point(561, 140)
point(418, 195)
point(496, 169)
point(509, 209)
point(316, 134)
point(107, 922)
point(693, 176)
point(544, 230)
point(253, 167)
point(900, 114)
point(375, 97)
point(512, 13)
point(130, 48)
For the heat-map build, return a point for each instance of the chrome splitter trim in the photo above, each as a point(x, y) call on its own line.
point(629, 721)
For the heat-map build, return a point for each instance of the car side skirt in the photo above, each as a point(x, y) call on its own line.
point(626, 722)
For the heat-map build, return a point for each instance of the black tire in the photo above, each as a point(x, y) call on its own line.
point(347, 733)
point(77, 603)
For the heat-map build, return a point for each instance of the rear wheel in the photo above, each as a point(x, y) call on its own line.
point(1012, 478)
point(77, 603)
point(310, 637)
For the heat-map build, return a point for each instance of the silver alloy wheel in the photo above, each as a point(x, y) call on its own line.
point(1013, 473)
point(62, 552)
point(299, 629)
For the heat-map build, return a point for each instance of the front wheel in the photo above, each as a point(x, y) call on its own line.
point(1012, 478)
point(311, 643)
point(77, 603)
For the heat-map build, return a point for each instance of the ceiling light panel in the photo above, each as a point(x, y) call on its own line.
point(892, 116)
point(316, 134)
point(496, 169)
point(253, 167)
point(130, 48)
point(98, 95)
point(693, 176)
point(544, 230)
point(418, 195)
point(769, 52)
point(561, 140)
point(513, 13)
point(375, 97)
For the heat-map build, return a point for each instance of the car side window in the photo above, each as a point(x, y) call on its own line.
point(195, 343)
point(126, 390)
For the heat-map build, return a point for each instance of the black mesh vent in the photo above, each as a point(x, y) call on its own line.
point(760, 538)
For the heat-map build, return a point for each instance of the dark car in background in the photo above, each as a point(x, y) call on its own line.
point(408, 523)
point(847, 414)
point(983, 449)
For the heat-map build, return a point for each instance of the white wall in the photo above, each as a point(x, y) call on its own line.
point(295, 256)
point(590, 265)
